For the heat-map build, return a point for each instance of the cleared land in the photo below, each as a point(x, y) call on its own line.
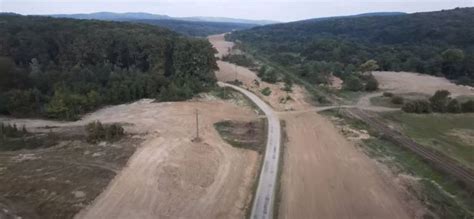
point(61, 176)
point(169, 176)
point(324, 175)
point(405, 82)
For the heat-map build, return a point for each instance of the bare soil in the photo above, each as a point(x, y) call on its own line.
point(169, 176)
point(405, 82)
point(279, 99)
point(325, 176)
point(172, 177)
point(58, 181)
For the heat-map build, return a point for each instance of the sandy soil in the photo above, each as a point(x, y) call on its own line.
point(169, 176)
point(405, 82)
point(278, 99)
point(325, 176)
point(223, 47)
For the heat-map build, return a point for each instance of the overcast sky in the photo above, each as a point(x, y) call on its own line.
point(280, 10)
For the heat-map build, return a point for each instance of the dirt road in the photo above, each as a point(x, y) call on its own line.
point(265, 194)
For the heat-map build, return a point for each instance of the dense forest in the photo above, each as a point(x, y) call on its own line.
point(62, 68)
point(196, 28)
point(438, 43)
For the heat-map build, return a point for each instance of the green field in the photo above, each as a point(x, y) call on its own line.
point(451, 134)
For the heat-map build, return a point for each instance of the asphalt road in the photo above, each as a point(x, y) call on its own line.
point(265, 194)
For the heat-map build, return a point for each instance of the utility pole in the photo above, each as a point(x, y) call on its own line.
point(197, 139)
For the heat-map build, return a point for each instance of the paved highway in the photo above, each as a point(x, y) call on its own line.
point(265, 195)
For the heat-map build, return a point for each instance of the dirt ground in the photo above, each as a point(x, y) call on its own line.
point(325, 176)
point(405, 82)
point(169, 176)
point(279, 99)
point(58, 179)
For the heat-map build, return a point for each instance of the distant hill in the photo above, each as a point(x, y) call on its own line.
point(196, 28)
point(190, 26)
point(112, 16)
point(228, 20)
point(438, 43)
point(373, 14)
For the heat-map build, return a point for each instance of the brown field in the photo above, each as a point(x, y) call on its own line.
point(169, 176)
point(405, 82)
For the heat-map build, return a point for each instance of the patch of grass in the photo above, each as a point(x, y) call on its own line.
point(266, 91)
point(351, 96)
point(247, 135)
point(450, 134)
point(30, 141)
point(441, 193)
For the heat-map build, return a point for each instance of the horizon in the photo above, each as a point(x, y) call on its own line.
point(268, 10)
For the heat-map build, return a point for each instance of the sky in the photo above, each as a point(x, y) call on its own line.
point(278, 10)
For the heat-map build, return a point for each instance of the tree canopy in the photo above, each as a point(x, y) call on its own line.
point(62, 68)
point(437, 43)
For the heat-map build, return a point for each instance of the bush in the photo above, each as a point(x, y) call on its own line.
point(387, 94)
point(353, 83)
point(372, 84)
point(96, 131)
point(266, 91)
point(417, 106)
point(397, 100)
point(439, 101)
point(468, 106)
point(12, 131)
point(454, 106)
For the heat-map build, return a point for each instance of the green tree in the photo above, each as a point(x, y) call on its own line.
point(454, 106)
point(372, 84)
point(369, 66)
point(353, 83)
point(440, 100)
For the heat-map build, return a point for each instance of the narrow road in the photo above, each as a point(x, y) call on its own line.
point(265, 194)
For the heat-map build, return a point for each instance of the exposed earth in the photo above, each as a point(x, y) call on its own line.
point(169, 176)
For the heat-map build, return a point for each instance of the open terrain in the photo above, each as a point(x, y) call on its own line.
point(406, 82)
point(170, 176)
point(324, 175)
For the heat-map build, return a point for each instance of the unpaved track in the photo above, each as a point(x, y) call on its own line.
point(325, 176)
point(265, 193)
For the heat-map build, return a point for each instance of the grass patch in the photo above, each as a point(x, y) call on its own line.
point(451, 134)
point(30, 141)
point(247, 135)
point(441, 193)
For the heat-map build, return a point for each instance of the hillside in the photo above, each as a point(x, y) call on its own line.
point(189, 26)
point(196, 28)
point(62, 68)
point(438, 43)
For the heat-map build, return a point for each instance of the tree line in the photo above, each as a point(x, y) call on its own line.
point(437, 43)
point(62, 68)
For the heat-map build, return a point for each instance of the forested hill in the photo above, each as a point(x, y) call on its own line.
point(62, 68)
point(440, 43)
point(196, 28)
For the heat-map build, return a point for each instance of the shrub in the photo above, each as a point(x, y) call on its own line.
point(372, 84)
point(417, 106)
point(439, 101)
point(387, 94)
point(8, 130)
point(96, 131)
point(353, 83)
point(468, 106)
point(454, 106)
point(266, 91)
point(397, 100)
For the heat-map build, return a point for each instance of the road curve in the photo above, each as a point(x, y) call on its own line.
point(265, 194)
